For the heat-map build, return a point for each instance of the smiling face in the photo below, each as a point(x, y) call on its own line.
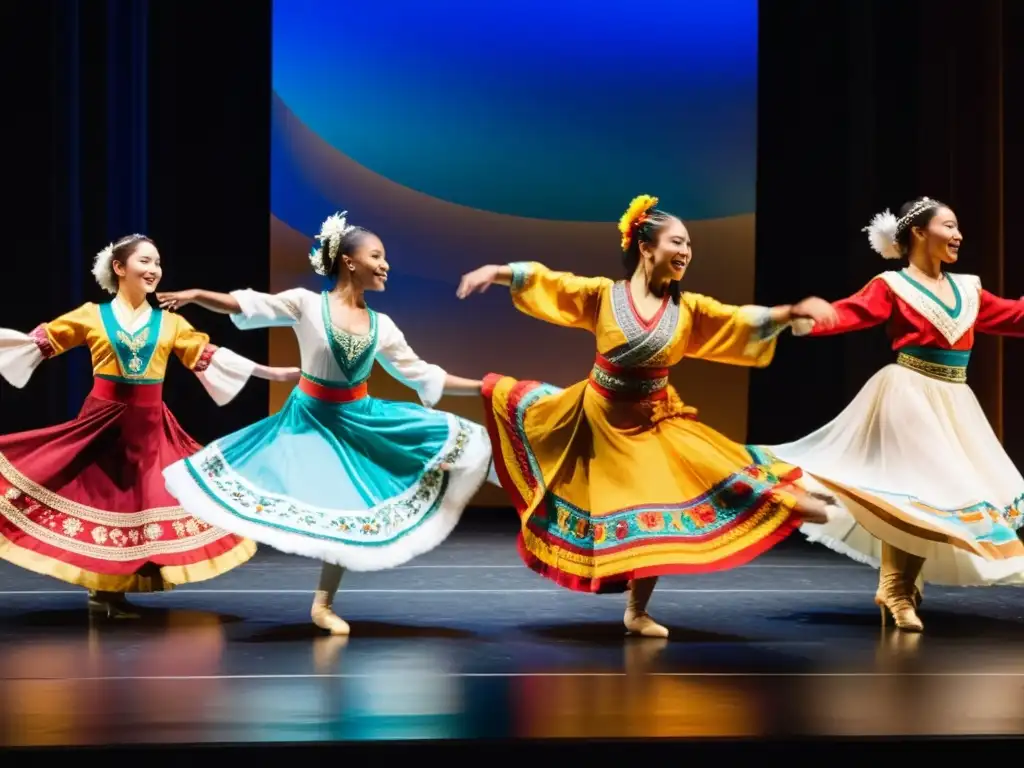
point(367, 264)
point(669, 254)
point(140, 272)
point(941, 237)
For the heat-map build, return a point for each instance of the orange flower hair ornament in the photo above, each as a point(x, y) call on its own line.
point(634, 216)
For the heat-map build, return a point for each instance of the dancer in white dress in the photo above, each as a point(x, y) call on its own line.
point(338, 475)
point(927, 491)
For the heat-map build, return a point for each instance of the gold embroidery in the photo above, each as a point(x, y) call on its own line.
point(956, 374)
point(100, 550)
point(90, 515)
point(108, 535)
point(134, 344)
point(350, 345)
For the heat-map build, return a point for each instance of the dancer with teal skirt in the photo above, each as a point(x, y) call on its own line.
point(360, 483)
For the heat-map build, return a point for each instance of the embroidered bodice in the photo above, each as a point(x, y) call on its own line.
point(335, 356)
point(634, 353)
point(352, 352)
point(915, 317)
point(126, 345)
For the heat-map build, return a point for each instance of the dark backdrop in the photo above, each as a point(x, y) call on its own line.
point(864, 105)
point(125, 116)
point(128, 115)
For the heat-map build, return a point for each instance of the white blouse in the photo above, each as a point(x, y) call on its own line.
point(301, 310)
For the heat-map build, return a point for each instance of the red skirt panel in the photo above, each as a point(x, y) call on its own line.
point(85, 501)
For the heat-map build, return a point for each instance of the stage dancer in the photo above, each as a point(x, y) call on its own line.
point(927, 492)
point(360, 483)
point(84, 501)
point(615, 480)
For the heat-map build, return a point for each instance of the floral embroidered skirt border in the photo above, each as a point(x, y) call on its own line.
point(361, 484)
point(602, 501)
point(914, 462)
point(85, 502)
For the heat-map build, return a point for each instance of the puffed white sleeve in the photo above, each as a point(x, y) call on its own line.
point(401, 362)
point(20, 355)
point(222, 373)
point(268, 310)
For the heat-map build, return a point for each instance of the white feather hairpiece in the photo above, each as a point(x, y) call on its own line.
point(103, 269)
point(332, 230)
point(882, 233)
point(103, 264)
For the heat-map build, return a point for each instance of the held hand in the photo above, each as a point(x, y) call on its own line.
point(802, 326)
point(477, 281)
point(174, 300)
point(818, 310)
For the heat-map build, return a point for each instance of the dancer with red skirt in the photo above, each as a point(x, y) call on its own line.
point(85, 501)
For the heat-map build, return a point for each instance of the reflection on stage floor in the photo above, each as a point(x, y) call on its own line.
point(467, 644)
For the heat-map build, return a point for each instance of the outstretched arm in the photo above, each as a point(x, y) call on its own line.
point(460, 387)
point(479, 280)
point(223, 303)
point(560, 298)
point(249, 309)
point(276, 373)
point(999, 316)
point(872, 305)
point(429, 381)
point(21, 353)
point(222, 372)
point(744, 335)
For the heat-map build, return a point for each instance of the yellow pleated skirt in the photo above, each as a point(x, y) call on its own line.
point(610, 490)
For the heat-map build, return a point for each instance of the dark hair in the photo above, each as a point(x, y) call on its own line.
point(648, 231)
point(349, 242)
point(119, 252)
point(926, 209)
point(126, 246)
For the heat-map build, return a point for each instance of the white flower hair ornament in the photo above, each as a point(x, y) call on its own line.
point(882, 233)
point(332, 230)
point(103, 269)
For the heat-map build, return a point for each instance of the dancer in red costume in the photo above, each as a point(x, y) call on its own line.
point(927, 492)
point(84, 501)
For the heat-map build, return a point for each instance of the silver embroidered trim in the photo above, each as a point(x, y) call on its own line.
point(641, 346)
point(760, 318)
point(614, 383)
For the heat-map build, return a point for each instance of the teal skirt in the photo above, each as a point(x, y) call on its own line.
point(367, 484)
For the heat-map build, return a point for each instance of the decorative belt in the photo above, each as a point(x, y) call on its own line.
point(942, 364)
point(332, 392)
point(617, 383)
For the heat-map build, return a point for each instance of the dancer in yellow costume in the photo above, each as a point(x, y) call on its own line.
point(84, 501)
point(615, 480)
